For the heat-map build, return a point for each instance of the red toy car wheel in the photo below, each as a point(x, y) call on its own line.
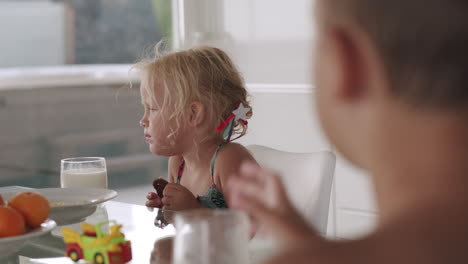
point(74, 252)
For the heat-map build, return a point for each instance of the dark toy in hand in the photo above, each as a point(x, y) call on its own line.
point(159, 185)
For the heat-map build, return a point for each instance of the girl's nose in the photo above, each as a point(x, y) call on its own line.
point(143, 123)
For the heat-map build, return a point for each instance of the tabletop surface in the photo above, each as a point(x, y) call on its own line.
point(138, 226)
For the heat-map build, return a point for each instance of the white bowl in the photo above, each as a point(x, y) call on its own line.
point(11, 245)
point(72, 205)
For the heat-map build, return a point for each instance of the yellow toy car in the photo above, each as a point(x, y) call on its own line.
point(96, 246)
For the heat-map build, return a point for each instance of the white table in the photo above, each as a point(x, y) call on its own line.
point(138, 227)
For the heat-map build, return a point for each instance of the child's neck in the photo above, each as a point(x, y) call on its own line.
point(199, 156)
point(426, 164)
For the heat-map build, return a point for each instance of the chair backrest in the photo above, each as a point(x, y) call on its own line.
point(307, 177)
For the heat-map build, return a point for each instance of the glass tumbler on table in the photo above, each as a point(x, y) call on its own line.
point(207, 236)
point(83, 172)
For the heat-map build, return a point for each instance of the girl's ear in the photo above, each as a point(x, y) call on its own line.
point(197, 114)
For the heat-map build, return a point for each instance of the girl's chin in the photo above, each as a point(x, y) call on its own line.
point(158, 151)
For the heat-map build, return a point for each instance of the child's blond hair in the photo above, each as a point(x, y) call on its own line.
point(204, 74)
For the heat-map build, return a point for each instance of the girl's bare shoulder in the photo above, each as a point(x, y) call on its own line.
point(230, 158)
point(234, 153)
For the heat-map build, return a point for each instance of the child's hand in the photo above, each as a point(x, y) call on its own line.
point(261, 194)
point(177, 197)
point(153, 200)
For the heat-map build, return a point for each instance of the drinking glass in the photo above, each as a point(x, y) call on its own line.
point(83, 172)
point(207, 236)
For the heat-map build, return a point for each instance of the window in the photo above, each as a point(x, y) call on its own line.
point(60, 32)
point(63, 64)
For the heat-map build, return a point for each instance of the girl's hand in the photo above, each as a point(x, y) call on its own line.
point(261, 194)
point(153, 200)
point(177, 198)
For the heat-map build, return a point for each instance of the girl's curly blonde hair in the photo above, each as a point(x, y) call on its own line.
point(204, 74)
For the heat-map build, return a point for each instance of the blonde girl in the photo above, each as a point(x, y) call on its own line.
point(195, 104)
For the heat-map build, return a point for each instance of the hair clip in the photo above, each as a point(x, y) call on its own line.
point(240, 113)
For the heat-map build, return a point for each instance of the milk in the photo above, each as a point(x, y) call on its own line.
point(84, 178)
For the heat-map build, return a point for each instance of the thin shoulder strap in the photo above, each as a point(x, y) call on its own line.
point(213, 162)
point(180, 171)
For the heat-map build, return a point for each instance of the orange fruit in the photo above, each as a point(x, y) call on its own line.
point(2, 202)
point(33, 206)
point(11, 222)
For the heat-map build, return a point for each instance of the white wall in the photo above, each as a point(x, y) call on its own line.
point(285, 120)
point(270, 40)
point(268, 20)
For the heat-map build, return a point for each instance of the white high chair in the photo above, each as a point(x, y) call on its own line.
point(307, 178)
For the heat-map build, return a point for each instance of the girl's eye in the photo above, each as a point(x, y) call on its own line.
point(147, 108)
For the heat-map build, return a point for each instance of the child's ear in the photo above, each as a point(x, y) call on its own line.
point(197, 114)
point(348, 64)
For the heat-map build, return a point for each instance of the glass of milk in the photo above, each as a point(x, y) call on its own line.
point(85, 172)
